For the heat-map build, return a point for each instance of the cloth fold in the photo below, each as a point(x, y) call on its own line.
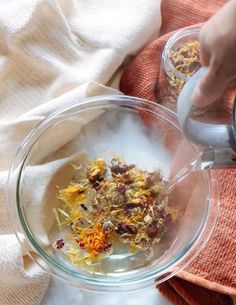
point(210, 278)
point(53, 52)
point(181, 292)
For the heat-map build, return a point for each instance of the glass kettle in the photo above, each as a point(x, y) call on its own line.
point(218, 141)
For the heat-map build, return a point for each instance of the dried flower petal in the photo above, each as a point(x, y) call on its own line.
point(124, 228)
point(152, 232)
point(97, 170)
point(96, 185)
point(107, 247)
point(59, 244)
point(168, 218)
point(110, 225)
point(147, 219)
point(83, 207)
point(118, 168)
point(132, 205)
point(122, 188)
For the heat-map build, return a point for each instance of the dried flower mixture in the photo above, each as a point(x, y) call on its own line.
point(186, 60)
point(112, 203)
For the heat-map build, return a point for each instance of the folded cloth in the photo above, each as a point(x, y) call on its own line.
point(51, 51)
point(210, 278)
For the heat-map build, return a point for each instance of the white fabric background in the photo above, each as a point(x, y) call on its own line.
point(60, 293)
point(51, 52)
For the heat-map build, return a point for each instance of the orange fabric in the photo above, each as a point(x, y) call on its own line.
point(184, 293)
point(211, 277)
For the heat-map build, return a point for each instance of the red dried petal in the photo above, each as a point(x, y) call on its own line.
point(152, 232)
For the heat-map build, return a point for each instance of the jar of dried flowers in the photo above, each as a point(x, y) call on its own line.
point(180, 60)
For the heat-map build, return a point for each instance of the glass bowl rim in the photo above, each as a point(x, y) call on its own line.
point(116, 99)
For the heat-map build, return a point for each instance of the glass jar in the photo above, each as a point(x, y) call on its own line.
point(180, 60)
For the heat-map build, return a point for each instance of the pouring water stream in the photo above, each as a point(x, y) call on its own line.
point(207, 159)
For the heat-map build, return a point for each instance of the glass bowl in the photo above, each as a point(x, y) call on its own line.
point(141, 132)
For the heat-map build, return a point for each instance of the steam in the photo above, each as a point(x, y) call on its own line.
point(127, 135)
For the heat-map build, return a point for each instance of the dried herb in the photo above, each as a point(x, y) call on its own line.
point(124, 228)
point(118, 168)
point(152, 232)
point(94, 240)
point(112, 203)
point(59, 244)
point(186, 60)
point(97, 170)
point(83, 207)
point(122, 188)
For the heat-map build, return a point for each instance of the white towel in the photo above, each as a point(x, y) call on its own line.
point(52, 52)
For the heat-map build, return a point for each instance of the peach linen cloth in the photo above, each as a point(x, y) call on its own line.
point(53, 52)
point(211, 278)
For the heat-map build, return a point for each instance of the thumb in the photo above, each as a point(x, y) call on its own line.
point(210, 88)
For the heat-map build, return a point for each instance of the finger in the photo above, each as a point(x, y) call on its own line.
point(211, 87)
point(204, 56)
point(204, 48)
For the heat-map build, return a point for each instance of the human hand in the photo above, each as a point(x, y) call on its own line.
point(218, 51)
